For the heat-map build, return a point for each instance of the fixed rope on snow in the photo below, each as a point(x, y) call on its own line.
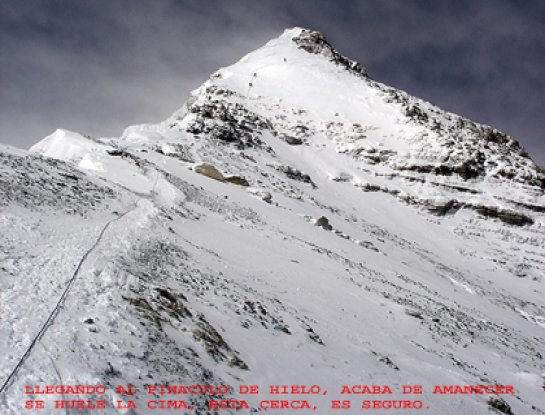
point(49, 321)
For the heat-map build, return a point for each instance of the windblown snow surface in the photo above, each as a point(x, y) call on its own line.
point(295, 222)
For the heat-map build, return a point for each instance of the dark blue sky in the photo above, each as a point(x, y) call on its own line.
point(98, 66)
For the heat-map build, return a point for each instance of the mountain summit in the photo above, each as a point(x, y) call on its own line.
point(294, 223)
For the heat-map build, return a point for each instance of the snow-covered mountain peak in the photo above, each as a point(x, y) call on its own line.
point(299, 91)
point(294, 222)
point(315, 42)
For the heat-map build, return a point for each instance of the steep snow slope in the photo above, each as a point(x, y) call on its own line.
point(426, 266)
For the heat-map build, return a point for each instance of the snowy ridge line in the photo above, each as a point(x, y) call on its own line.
point(55, 310)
